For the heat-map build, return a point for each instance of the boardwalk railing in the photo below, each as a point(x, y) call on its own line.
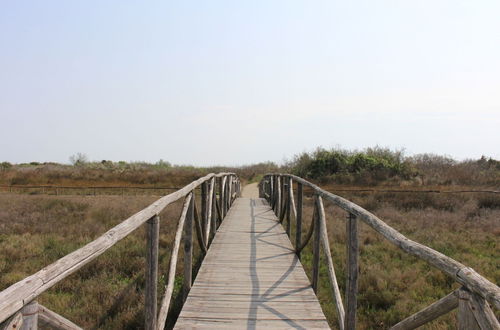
point(20, 310)
point(472, 299)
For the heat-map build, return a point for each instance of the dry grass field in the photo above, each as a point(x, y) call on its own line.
point(36, 229)
point(394, 285)
point(108, 293)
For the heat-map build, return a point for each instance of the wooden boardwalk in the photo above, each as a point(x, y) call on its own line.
point(251, 277)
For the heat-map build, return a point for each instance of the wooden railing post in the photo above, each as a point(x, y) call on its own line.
point(214, 208)
point(298, 228)
point(278, 196)
point(316, 247)
point(352, 271)
point(30, 316)
point(465, 316)
point(288, 206)
point(188, 249)
point(203, 197)
point(152, 236)
point(273, 191)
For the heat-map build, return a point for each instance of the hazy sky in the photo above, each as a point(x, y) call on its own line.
point(235, 82)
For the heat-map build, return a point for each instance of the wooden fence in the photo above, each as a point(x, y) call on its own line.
point(86, 190)
point(20, 310)
point(473, 299)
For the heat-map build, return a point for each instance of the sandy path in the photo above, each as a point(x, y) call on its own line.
point(250, 191)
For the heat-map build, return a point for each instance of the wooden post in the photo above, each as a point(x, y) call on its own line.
point(316, 247)
point(271, 191)
point(288, 206)
point(214, 209)
point(278, 197)
point(219, 203)
point(352, 271)
point(151, 300)
point(188, 249)
point(223, 197)
point(298, 228)
point(210, 214)
point(465, 316)
point(203, 197)
point(30, 316)
point(230, 192)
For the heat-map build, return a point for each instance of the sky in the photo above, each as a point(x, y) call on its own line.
point(239, 82)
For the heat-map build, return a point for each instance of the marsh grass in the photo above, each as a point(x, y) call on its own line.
point(392, 284)
point(108, 293)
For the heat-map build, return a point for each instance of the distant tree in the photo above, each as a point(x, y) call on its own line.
point(79, 159)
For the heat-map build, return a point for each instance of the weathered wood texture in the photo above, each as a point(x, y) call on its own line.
point(465, 316)
point(188, 250)
point(13, 323)
point(51, 319)
point(251, 277)
point(440, 307)
point(30, 316)
point(151, 287)
point(352, 271)
point(462, 274)
point(162, 316)
point(298, 226)
point(331, 270)
point(19, 294)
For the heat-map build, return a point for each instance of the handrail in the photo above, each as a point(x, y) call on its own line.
point(280, 197)
point(20, 294)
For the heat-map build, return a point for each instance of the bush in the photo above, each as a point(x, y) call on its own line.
point(5, 165)
point(367, 167)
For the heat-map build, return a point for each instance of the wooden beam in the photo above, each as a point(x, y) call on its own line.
point(54, 320)
point(483, 313)
point(429, 313)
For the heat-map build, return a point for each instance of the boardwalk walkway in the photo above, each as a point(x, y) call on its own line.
point(251, 277)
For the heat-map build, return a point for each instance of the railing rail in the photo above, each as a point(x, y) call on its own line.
point(18, 304)
point(472, 299)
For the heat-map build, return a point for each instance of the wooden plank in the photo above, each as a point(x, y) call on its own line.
point(251, 275)
point(52, 319)
point(151, 286)
point(431, 312)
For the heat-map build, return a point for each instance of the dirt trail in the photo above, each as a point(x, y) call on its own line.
point(250, 191)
